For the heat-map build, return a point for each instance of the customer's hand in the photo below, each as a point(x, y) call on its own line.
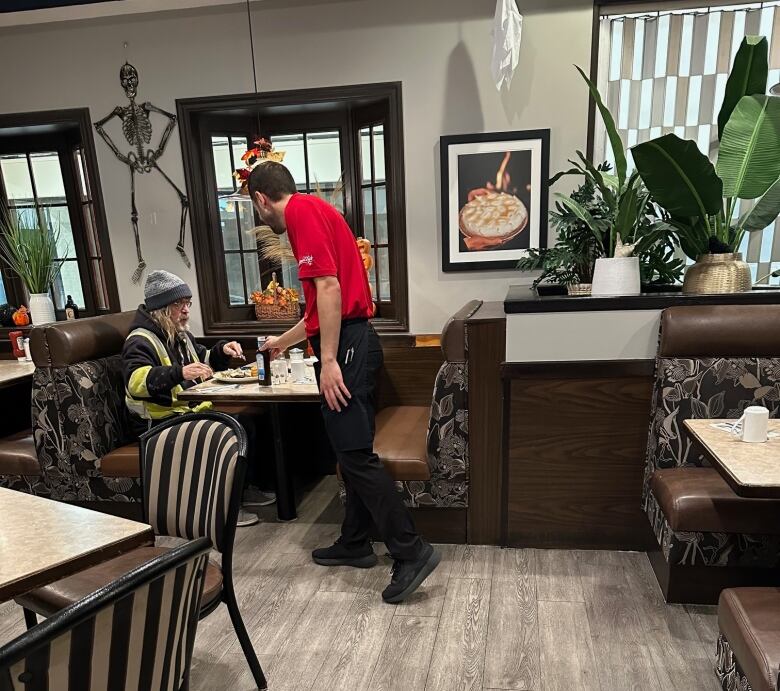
point(332, 386)
point(196, 370)
point(233, 349)
point(272, 344)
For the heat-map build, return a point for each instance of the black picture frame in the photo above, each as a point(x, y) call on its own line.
point(461, 175)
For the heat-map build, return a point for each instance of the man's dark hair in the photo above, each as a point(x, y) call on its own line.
point(271, 179)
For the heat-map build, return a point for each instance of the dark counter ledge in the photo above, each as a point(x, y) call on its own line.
point(520, 301)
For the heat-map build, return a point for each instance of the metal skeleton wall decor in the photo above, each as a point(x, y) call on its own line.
point(137, 129)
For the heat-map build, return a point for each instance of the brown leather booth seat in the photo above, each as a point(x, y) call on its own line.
point(749, 620)
point(123, 461)
point(700, 500)
point(401, 442)
point(17, 455)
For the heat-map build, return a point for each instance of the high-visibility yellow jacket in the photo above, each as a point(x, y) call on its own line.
point(153, 369)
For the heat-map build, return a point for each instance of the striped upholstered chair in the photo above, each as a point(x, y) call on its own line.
point(135, 633)
point(192, 475)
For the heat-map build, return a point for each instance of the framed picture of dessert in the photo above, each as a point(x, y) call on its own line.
point(494, 198)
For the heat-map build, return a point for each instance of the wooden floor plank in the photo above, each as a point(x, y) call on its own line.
point(680, 659)
point(557, 577)
point(619, 639)
point(410, 639)
point(459, 654)
point(473, 561)
point(512, 650)
point(274, 613)
point(300, 658)
point(358, 643)
point(705, 619)
point(566, 651)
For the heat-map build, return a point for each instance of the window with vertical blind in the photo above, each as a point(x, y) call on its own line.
point(663, 70)
point(343, 144)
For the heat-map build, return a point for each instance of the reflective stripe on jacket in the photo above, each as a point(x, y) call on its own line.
point(136, 392)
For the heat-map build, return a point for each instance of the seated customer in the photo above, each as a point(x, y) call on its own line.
point(162, 358)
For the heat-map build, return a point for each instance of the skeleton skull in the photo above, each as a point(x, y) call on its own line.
point(128, 78)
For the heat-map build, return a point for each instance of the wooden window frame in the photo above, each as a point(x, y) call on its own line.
point(342, 101)
point(50, 125)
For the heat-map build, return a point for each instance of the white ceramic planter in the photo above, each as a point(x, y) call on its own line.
point(616, 276)
point(41, 309)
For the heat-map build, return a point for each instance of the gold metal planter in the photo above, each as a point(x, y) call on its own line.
point(718, 273)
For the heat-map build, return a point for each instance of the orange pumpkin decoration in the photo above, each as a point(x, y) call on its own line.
point(364, 246)
point(21, 317)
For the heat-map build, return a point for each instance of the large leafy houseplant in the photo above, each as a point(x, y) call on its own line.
point(625, 221)
point(700, 198)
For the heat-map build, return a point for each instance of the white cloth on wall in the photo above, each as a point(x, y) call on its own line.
point(507, 29)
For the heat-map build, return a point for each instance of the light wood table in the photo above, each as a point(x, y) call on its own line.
point(248, 398)
point(42, 541)
point(12, 371)
point(752, 470)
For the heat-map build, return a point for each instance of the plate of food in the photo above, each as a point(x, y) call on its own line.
point(242, 375)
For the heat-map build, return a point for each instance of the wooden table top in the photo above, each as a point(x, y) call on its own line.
point(13, 370)
point(253, 393)
point(752, 470)
point(42, 541)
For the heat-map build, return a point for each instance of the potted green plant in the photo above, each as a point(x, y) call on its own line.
point(629, 235)
point(570, 262)
point(31, 253)
point(700, 198)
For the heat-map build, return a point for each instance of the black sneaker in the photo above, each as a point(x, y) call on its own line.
point(407, 576)
point(339, 555)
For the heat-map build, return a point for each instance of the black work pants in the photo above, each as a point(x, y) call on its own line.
point(371, 492)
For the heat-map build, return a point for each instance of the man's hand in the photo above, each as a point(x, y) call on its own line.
point(272, 344)
point(196, 370)
point(234, 349)
point(332, 386)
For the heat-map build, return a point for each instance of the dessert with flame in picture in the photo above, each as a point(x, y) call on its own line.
point(493, 215)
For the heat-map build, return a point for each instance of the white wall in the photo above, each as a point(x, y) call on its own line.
point(439, 49)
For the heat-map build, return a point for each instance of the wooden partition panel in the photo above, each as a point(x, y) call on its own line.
point(575, 446)
point(486, 349)
point(408, 375)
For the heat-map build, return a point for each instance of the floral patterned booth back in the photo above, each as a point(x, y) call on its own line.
point(448, 429)
point(78, 409)
point(713, 362)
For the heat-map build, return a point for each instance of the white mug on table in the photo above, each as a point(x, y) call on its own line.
point(755, 422)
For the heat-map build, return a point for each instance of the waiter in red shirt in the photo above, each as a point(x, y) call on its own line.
point(338, 307)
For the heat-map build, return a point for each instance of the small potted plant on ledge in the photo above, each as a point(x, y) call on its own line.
point(31, 253)
point(699, 199)
point(570, 262)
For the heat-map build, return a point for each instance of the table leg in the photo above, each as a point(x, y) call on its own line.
point(285, 488)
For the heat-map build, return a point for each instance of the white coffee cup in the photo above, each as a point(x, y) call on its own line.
point(755, 421)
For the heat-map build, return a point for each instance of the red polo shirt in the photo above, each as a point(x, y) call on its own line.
point(324, 245)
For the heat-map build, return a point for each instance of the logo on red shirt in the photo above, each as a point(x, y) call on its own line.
point(308, 260)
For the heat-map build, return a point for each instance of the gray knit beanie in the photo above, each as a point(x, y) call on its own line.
point(163, 288)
